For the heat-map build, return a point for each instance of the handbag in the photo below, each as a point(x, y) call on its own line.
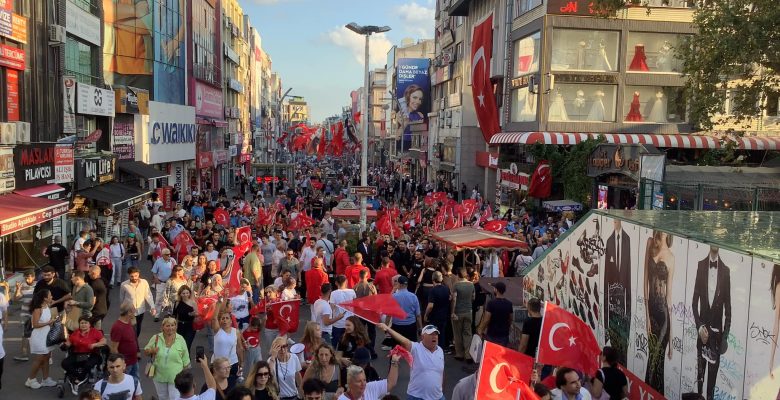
point(56, 334)
point(475, 348)
point(150, 369)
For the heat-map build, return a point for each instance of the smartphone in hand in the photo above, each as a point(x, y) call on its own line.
point(200, 352)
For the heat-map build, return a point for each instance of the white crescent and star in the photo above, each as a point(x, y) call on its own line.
point(478, 55)
point(555, 328)
point(494, 375)
point(282, 313)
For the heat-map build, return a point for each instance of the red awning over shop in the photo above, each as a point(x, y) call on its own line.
point(472, 238)
point(41, 191)
point(351, 214)
point(657, 140)
point(18, 212)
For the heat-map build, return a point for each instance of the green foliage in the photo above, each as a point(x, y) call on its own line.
point(570, 166)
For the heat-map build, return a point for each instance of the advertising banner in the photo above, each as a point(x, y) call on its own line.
point(13, 26)
point(94, 171)
point(12, 94)
point(34, 164)
point(7, 183)
point(63, 163)
point(208, 100)
point(69, 104)
point(205, 159)
point(128, 54)
point(179, 173)
point(12, 57)
point(94, 100)
point(82, 24)
point(172, 133)
point(513, 178)
point(487, 159)
point(169, 50)
point(413, 90)
point(123, 140)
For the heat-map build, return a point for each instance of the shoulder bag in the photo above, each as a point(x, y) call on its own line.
point(150, 368)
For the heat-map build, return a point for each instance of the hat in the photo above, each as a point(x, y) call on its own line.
point(429, 329)
point(402, 280)
point(361, 357)
point(500, 286)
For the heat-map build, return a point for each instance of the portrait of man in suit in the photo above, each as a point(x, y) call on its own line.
point(712, 314)
point(617, 290)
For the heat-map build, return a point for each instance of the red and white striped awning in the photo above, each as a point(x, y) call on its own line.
point(657, 140)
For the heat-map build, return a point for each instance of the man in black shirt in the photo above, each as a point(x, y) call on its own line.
point(100, 309)
point(60, 290)
point(497, 319)
point(612, 379)
point(532, 327)
point(58, 256)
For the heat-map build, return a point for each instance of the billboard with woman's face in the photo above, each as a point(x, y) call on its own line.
point(413, 93)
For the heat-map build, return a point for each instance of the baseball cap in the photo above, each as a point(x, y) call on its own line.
point(500, 286)
point(429, 329)
point(402, 280)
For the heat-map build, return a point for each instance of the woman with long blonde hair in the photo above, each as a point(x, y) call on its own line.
point(286, 369)
point(262, 382)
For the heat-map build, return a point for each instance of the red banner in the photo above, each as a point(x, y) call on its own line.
point(287, 315)
point(12, 57)
point(638, 389)
point(205, 159)
point(12, 94)
point(481, 86)
point(487, 159)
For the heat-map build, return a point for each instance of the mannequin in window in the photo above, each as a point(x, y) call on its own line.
point(579, 101)
point(634, 115)
point(664, 60)
point(639, 63)
point(557, 110)
point(597, 112)
point(581, 55)
point(658, 112)
point(528, 112)
point(605, 65)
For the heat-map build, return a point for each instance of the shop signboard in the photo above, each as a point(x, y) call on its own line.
point(172, 133)
point(609, 158)
point(34, 164)
point(24, 221)
point(12, 57)
point(63, 163)
point(165, 194)
point(208, 100)
point(573, 7)
point(514, 179)
point(69, 104)
point(93, 100)
point(12, 94)
point(179, 173)
point(487, 159)
point(205, 159)
point(95, 171)
point(13, 26)
point(131, 100)
point(220, 157)
point(7, 183)
point(123, 139)
point(245, 157)
point(82, 24)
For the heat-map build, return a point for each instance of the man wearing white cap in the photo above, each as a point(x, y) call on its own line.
point(426, 377)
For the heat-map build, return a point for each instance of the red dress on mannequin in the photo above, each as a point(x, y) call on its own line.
point(634, 115)
point(639, 63)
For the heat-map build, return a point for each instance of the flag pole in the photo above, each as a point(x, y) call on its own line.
point(536, 356)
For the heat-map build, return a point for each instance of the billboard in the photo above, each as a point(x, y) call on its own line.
point(684, 315)
point(413, 95)
point(169, 50)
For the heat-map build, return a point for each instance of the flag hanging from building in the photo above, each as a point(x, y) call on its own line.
point(541, 181)
point(481, 87)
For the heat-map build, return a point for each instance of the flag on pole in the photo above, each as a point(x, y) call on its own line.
point(371, 307)
point(504, 374)
point(567, 341)
point(286, 314)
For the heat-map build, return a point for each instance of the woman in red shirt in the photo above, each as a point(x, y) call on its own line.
point(83, 345)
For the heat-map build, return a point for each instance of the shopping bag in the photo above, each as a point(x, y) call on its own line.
point(475, 348)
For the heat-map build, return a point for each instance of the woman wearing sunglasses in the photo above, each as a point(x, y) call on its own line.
point(262, 383)
point(286, 369)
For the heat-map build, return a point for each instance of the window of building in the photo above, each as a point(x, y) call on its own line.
point(772, 104)
point(654, 104)
point(81, 61)
point(523, 6)
point(582, 102)
point(169, 48)
point(523, 105)
point(585, 50)
point(204, 42)
point(653, 52)
point(527, 53)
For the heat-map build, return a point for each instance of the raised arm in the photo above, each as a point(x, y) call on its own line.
point(403, 341)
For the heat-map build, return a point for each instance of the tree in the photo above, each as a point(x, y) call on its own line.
point(570, 167)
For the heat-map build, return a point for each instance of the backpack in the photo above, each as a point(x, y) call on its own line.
point(104, 384)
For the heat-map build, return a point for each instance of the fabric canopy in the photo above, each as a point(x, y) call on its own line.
point(18, 212)
point(141, 169)
point(472, 238)
point(117, 195)
point(351, 214)
point(658, 140)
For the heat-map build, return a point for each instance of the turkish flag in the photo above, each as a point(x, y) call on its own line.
point(182, 244)
point(503, 374)
point(567, 341)
point(321, 147)
point(371, 307)
point(286, 314)
point(468, 208)
point(541, 181)
point(206, 306)
point(222, 217)
point(244, 235)
point(233, 271)
point(495, 225)
point(259, 308)
point(481, 87)
point(637, 388)
point(356, 117)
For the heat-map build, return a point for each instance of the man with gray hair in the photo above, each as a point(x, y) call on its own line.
point(58, 256)
point(357, 388)
point(426, 378)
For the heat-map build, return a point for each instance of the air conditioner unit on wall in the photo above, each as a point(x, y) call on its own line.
point(56, 34)
point(22, 132)
point(8, 133)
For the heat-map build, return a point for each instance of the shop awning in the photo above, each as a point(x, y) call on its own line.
point(116, 195)
point(472, 238)
point(657, 140)
point(19, 212)
point(561, 205)
point(41, 191)
point(351, 214)
point(142, 169)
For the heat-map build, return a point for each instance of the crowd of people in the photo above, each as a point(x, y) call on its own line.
point(322, 265)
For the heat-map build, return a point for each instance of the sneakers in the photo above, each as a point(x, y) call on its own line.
point(48, 382)
point(74, 388)
point(21, 358)
point(32, 384)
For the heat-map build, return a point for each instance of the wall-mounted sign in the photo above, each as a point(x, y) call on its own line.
point(131, 100)
point(179, 173)
point(514, 179)
point(94, 171)
point(7, 183)
point(82, 24)
point(94, 100)
point(13, 26)
point(205, 159)
point(34, 164)
point(575, 78)
point(208, 100)
point(69, 104)
point(236, 85)
point(573, 7)
point(172, 133)
point(12, 94)
point(63, 163)
point(12, 57)
point(610, 158)
point(487, 159)
point(123, 139)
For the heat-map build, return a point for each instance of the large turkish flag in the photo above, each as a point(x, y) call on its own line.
point(286, 315)
point(503, 374)
point(567, 341)
point(481, 87)
point(541, 181)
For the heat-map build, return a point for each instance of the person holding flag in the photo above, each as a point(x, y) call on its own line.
point(426, 377)
point(161, 272)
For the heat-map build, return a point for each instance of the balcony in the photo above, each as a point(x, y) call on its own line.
point(207, 73)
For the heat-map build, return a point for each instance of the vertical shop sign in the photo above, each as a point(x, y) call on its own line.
point(7, 182)
point(165, 194)
point(63, 163)
point(178, 171)
point(123, 140)
point(12, 96)
point(69, 104)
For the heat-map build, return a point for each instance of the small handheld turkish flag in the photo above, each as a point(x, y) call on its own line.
point(541, 181)
point(567, 341)
point(286, 314)
point(503, 374)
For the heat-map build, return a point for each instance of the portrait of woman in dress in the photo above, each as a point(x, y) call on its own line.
point(659, 275)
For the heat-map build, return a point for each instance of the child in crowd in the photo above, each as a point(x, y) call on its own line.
point(252, 343)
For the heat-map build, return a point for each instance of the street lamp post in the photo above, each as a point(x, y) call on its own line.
point(366, 31)
point(275, 143)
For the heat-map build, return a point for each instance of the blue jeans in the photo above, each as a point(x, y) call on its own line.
point(132, 370)
point(410, 397)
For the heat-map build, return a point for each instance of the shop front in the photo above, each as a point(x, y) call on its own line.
point(616, 170)
point(511, 186)
point(211, 130)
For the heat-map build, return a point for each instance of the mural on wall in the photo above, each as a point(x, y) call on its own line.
point(676, 309)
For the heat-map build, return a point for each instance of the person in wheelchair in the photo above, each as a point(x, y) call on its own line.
point(84, 347)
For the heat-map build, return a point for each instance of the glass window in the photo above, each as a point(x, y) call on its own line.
point(523, 6)
point(523, 105)
point(582, 102)
point(527, 53)
point(79, 62)
point(585, 50)
point(772, 104)
point(652, 52)
point(654, 104)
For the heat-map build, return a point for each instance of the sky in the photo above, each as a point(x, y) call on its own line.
point(320, 59)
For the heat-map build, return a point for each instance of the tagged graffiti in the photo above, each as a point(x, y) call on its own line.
point(762, 335)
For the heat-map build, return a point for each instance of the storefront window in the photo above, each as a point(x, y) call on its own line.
point(523, 105)
point(585, 50)
point(654, 104)
point(652, 52)
point(581, 102)
point(527, 52)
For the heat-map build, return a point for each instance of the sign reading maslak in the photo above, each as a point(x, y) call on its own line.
point(172, 133)
point(34, 164)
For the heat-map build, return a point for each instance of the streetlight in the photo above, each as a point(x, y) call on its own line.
point(366, 31)
point(275, 143)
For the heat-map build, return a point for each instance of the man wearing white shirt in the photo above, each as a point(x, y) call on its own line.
point(358, 389)
point(426, 377)
point(342, 295)
point(137, 291)
point(321, 313)
point(185, 383)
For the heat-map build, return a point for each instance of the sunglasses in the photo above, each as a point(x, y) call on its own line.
point(283, 347)
point(263, 374)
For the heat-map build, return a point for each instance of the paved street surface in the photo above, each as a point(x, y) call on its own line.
point(16, 372)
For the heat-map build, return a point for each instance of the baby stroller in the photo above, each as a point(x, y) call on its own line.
point(82, 370)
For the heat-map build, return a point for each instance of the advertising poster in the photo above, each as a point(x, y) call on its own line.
point(12, 94)
point(13, 26)
point(761, 373)
point(169, 50)
point(63, 163)
point(7, 183)
point(603, 197)
point(123, 141)
point(12, 57)
point(69, 104)
point(714, 353)
point(128, 52)
point(587, 251)
point(413, 92)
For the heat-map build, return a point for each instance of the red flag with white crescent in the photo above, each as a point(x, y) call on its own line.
point(233, 271)
point(222, 217)
point(244, 234)
point(503, 374)
point(286, 314)
point(541, 181)
point(481, 86)
point(567, 341)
